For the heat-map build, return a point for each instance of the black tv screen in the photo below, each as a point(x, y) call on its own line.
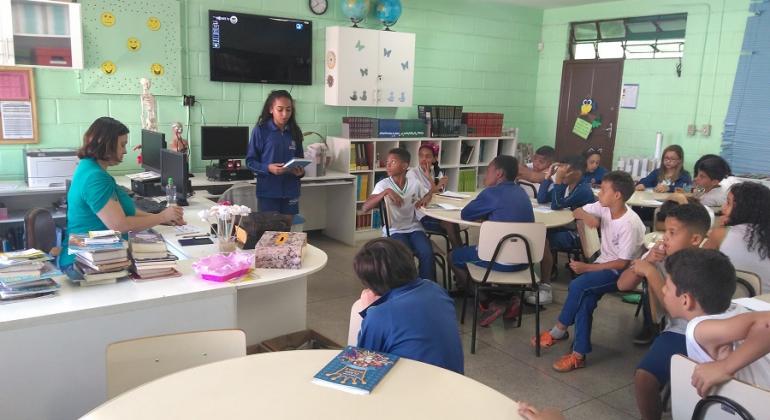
point(260, 49)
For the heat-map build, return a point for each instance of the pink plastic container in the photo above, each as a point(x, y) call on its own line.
point(224, 267)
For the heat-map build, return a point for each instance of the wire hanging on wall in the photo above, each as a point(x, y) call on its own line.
point(679, 68)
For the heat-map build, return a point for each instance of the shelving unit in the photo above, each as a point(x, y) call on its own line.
point(484, 149)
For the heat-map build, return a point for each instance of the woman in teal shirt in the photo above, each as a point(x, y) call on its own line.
point(94, 201)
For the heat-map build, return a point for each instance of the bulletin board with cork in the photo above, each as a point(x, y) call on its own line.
point(126, 41)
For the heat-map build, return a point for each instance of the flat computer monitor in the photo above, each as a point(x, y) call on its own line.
point(174, 165)
point(222, 143)
point(152, 143)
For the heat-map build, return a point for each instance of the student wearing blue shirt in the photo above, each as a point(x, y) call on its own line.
point(503, 200)
point(594, 173)
point(412, 317)
point(275, 140)
point(94, 201)
point(670, 175)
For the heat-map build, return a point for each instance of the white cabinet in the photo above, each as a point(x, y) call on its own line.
point(40, 33)
point(366, 67)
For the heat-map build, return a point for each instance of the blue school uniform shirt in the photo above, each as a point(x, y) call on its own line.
point(651, 180)
point(92, 187)
point(416, 321)
point(556, 195)
point(267, 145)
point(594, 177)
point(504, 202)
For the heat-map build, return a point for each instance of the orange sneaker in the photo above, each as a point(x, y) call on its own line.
point(547, 340)
point(569, 362)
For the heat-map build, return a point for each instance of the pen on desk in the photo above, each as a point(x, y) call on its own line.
point(196, 236)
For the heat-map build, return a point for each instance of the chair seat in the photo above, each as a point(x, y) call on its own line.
point(502, 277)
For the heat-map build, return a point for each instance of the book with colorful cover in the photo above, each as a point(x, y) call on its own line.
point(146, 241)
point(355, 370)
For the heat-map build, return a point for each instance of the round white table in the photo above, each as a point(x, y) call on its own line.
point(648, 198)
point(278, 386)
point(543, 213)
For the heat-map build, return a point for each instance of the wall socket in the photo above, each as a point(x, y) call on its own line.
point(188, 100)
point(691, 129)
point(706, 130)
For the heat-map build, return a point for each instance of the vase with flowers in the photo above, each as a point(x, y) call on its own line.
point(226, 216)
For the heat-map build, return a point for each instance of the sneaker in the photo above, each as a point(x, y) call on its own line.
point(645, 336)
point(569, 362)
point(490, 315)
point(547, 340)
point(514, 307)
point(546, 295)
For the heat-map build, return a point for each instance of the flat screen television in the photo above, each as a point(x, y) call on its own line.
point(260, 49)
point(224, 142)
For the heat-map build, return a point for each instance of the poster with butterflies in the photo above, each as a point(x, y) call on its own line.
point(126, 41)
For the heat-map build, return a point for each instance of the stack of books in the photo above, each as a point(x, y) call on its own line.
point(27, 274)
point(481, 124)
point(151, 259)
point(101, 257)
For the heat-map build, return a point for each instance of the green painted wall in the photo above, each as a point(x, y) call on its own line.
point(482, 56)
point(666, 102)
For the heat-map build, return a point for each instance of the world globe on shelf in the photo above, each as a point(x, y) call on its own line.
point(388, 12)
point(355, 10)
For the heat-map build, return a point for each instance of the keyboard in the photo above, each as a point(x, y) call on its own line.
point(149, 206)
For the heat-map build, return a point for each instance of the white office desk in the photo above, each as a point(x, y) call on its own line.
point(53, 349)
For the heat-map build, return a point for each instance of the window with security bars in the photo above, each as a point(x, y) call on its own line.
point(630, 38)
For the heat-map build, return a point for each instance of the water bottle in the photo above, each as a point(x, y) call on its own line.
point(170, 192)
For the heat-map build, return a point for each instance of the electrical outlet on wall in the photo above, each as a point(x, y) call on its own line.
point(706, 130)
point(691, 129)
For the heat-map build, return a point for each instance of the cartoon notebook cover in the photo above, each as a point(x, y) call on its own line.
point(356, 370)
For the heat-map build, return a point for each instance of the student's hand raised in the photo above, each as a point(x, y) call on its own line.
point(708, 375)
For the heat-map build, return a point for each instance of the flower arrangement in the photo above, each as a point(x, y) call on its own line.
point(226, 216)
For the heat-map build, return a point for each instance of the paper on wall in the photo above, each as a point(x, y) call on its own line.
point(16, 119)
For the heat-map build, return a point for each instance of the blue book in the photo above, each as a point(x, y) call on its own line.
point(356, 370)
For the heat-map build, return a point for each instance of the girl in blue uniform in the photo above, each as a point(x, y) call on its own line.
point(275, 140)
point(594, 173)
point(670, 175)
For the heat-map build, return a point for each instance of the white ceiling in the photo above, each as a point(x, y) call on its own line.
point(549, 4)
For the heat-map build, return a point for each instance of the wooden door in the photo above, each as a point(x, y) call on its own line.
point(600, 81)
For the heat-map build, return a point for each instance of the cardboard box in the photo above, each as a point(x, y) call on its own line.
point(280, 250)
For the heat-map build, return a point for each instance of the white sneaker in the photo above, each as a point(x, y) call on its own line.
point(546, 296)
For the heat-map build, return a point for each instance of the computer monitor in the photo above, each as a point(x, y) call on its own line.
point(222, 143)
point(152, 143)
point(174, 165)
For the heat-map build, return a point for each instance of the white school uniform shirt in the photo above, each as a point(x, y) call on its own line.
point(734, 246)
point(714, 198)
point(622, 238)
point(676, 325)
point(418, 177)
point(757, 373)
point(402, 219)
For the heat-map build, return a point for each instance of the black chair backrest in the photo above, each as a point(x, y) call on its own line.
point(727, 405)
point(40, 229)
point(525, 185)
point(384, 217)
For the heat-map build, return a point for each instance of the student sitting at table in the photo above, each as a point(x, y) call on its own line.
point(724, 339)
point(594, 172)
point(535, 172)
point(403, 314)
point(729, 180)
point(429, 174)
point(709, 174)
point(501, 201)
point(745, 236)
point(565, 189)
point(403, 198)
point(94, 201)
point(670, 175)
point(622, 237)
point(686, 227)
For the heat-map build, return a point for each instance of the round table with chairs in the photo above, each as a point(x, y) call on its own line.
point(278, 385)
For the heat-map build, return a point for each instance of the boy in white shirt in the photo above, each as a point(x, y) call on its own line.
point(726, 341)
point(402, 198)
point(622, 238)
point(709, 175)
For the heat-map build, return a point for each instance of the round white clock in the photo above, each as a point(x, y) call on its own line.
point(318, 7)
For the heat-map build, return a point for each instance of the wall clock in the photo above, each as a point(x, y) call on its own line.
point(318, 7)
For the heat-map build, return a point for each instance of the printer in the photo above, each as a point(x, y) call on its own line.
point(49, 168)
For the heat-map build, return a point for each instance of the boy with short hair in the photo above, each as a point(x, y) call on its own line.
point(541, 162)
point(622, 237)
point(686, 226)
point(565, 189)
point(726, 341)
point(403, 197)
point(709, 174)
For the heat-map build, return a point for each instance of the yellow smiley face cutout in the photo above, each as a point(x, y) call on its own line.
point(108, 67)
point(107, 18)
point(153, 23)
point(134, 44)
point(156, 69)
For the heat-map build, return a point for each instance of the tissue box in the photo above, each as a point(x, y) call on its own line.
point(280, 250)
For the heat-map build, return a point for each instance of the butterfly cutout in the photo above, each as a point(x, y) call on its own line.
point(405, 65)
point(364, 72)
point(359, 46)
point(386, 52)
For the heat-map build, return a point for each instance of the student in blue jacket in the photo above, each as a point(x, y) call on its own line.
point(670, 175)
point(275, 140)
point(594, 172)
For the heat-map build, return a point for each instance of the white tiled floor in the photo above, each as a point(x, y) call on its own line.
point(504, 360)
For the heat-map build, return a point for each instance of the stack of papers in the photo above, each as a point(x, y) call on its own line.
point(753, 304)
point(452, 194)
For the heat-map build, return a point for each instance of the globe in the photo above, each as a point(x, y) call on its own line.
point(388, 12)
point(355, 10)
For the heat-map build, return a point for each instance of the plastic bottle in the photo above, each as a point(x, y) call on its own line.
point(170, 192)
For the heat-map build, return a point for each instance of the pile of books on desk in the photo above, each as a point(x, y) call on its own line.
point(101, 257)
point(151, 259)
point(27, 274)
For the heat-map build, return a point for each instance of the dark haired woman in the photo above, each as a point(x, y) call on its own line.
point(670, 175)
point(275, 140)
point(94, 201)
point(745, 237)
